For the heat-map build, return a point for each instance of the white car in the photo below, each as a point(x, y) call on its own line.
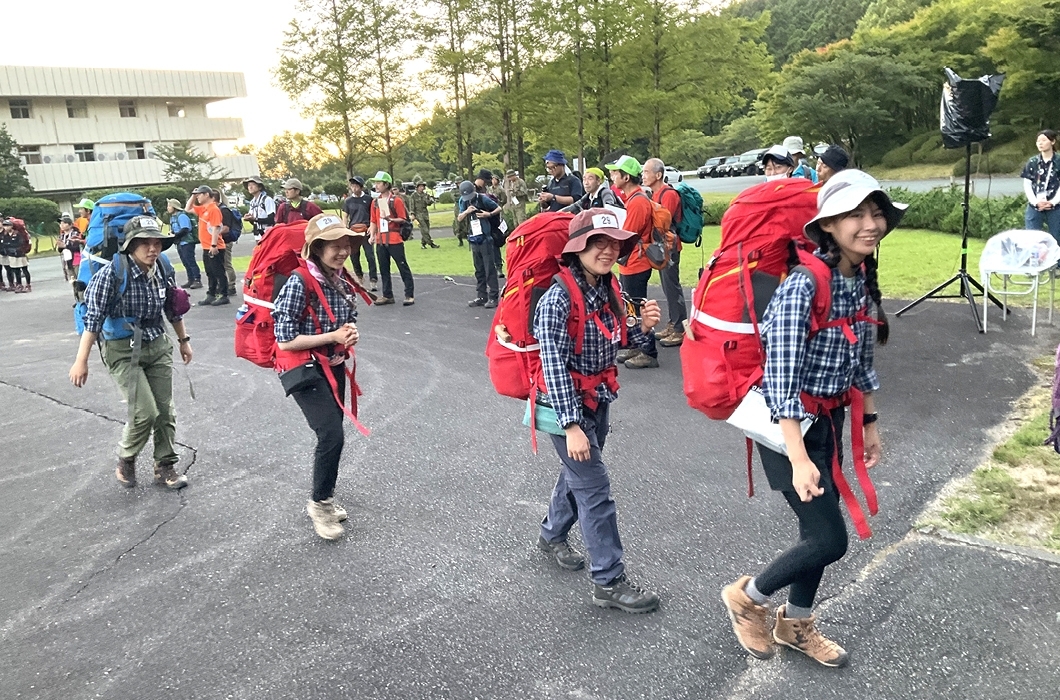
point(672, 175)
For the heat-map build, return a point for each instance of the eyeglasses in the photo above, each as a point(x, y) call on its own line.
point(603, 243)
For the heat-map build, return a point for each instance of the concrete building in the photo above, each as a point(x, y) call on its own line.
point(82, 129)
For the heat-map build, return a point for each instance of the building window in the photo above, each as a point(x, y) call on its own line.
point(127, 108)
point(85, 152)
point(136, 150)
point(77, 109)
point(30, 154)
point(19, 109)
point(175, 110)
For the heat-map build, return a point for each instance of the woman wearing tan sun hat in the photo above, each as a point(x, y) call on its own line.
point(311, 341)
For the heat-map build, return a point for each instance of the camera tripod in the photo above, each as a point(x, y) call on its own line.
point(968, 283)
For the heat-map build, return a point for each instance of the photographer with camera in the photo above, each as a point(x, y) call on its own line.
point(261, 211)
point(477, 209)
point(563, 189)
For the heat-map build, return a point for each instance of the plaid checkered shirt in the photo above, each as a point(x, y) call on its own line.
point(291, 319)
point(557, 346)
point(143, 299)
point(828, 364)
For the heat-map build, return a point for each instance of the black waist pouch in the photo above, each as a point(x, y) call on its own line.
point(300, 377)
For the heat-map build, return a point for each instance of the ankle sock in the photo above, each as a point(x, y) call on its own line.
point(795, 612)
point(754, 594)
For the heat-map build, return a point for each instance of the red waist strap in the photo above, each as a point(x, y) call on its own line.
point(585, 385)
point(856, 400)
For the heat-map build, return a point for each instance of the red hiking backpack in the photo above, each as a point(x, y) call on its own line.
point(722, 356)
point(275, 259)
point(534, 250)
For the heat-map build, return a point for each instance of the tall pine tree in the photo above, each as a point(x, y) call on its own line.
point(13, 179)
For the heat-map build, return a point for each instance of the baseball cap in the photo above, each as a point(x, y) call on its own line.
point(843, 193)
point(627, 164)
point(779, 155)
point(383, 176)
point(835, 157)
point(467, 190)
point(202, 189)
point(293, 184)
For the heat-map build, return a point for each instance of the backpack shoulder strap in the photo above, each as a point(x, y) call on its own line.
point(821, 276)
point(120, 269)
point(576, 321)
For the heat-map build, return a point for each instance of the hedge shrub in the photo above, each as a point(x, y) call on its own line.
point(157, 194)
point(446, 198)
point(41, 215)
point(941, 209)
point(713, 212)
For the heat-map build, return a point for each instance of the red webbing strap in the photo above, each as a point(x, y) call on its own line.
point(857, 446)
point(586, 385)
point(823, 407)
point(533, 417)
point(354, 389)
point(750, 475)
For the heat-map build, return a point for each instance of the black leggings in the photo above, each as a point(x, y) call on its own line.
point(325, 417)
point(14, 275)
point(822, 531)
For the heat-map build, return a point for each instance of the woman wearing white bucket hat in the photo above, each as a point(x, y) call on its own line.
point(809, 375)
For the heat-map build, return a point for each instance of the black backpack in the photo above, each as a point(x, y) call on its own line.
point(231, 218)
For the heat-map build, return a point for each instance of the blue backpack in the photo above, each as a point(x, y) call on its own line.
point(116, 328)
point(690, 228)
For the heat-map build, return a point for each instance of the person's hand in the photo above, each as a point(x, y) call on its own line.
point(1046, 206)
point(214, 251)
point(805, 478)
point(650, 315)
point(248, 216)
point(873, 447)
point(542, 198)
point(577, 444)
point(185, 352)
point(79, 373)
point(345, 335)
point(354, 334)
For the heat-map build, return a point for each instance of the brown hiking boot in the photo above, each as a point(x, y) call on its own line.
point(803, 635)
point(325, 522)
point(675, 338)
point(126, 471)
point(750, 621)
point(166, 475)
point(665, 333)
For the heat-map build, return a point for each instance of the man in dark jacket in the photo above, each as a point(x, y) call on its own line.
point(563, 189)
point(356, 215)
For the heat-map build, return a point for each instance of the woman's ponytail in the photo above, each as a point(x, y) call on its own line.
point(872, 283)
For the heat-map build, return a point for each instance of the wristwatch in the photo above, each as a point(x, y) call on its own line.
point(870, 418)
point(183, 340)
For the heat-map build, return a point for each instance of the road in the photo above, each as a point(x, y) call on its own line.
point(438, 591)
point(982, 187)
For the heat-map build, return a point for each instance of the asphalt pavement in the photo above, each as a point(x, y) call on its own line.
point(438, 591)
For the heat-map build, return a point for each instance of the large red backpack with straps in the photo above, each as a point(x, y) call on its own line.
point(274, 260)
point(534, 251)
point(722, 357)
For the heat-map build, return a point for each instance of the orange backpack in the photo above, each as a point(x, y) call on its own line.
point(663, 239)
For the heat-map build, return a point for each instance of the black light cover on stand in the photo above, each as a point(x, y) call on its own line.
point(966, 108)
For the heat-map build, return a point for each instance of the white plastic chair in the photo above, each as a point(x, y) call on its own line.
point(1028, 256)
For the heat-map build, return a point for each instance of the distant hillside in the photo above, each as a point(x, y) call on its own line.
point(805, 24)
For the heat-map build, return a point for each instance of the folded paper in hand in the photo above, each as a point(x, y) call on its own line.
point(753, 418)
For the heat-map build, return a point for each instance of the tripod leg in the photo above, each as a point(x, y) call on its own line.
point(930, 294)
point(991, 296)
point(966, 289)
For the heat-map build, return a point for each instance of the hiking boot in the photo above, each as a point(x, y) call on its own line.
point(231, 291)
point(673, 340)
point(126, 471)
point(197, 284)
point(435, 245)
point(383, 301)
point(324, 519)
point(208, 301)
point(565, 556)
point(340, 512)
point(409, 301)
point(166, 475)
point(627, 354)
point(27, 289)
point(186, 285)
point(625, 595)
point(19, 289)
point(665, 333)
point(375, 286)
point(642, 361)
point(220, 301)
point(750, 621)
point(479, 301)
point(802, 635)
point(491, 304)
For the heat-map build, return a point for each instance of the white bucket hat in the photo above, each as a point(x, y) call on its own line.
point(794, 144)
point(843, 193)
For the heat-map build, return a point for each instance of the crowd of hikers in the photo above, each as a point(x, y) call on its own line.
point(778, 339)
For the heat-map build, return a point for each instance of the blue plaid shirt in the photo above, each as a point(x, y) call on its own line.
point(826, 365)
point(291, 319)
point(144, 299)
point(557, 346)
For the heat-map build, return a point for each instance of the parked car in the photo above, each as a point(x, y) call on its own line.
point(443, 187)
point(672, 175)
point(541, 180)
point(709, 168)
point(747, 163)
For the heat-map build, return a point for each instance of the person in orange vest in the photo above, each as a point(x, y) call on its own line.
point(388, 217)
point(634, 275)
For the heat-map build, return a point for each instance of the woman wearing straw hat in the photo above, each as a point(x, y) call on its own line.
point(804, 370)
point(583, 489)
point(136, 350)
point(327, 246)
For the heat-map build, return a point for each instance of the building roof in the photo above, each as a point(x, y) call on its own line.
point(38, 81)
